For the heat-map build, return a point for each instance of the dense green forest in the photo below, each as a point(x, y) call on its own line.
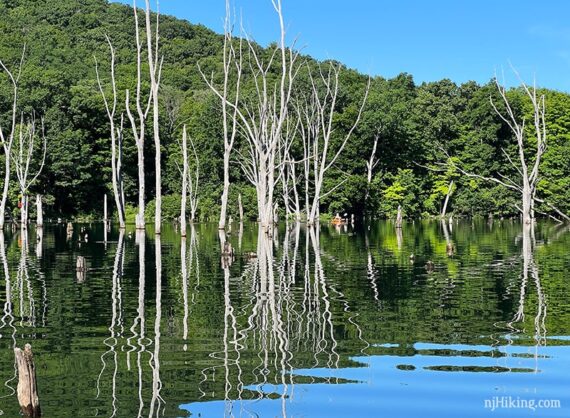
point(417, 126)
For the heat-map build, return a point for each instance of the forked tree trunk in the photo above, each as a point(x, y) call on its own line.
point(138, 124)
point(116, 138)
point(317, 117)
point(529, 169)
point(23, 156)
point(231, 61)
point(263, 118)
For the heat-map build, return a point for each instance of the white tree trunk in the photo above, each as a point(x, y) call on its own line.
point(226, 190)
point(295, 194)
point(528, 170)
point(193, 179)
point(240, 208)
point(399, 217)
point(105, 218)
point(154, 65)
point(317, 117)
point(370, 164)
point(7, 172)
point(23, 156)
point(39, 211)
point(527, 204)
point(449, 191)
point(116, 138)
point(24, 212)
point(8, 141)
point(117, 175)
point(184, 195)
point(232, 59)
point(262, 120)
point(138, 125)
point(139, 218)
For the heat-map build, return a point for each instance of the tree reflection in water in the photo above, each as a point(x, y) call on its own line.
point(274, 324)
point(264, 322)
point(7, 320)
point(529, 274)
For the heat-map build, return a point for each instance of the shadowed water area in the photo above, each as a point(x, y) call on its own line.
point(429, 320)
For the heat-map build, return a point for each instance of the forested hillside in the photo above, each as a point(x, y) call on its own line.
point(418, 127)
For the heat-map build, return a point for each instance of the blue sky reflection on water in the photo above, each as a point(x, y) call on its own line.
point(404, 386)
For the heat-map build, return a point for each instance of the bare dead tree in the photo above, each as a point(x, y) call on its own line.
point(138, 121)
point(529, 179)
point(155, 70)
point(184, 195)
point(39, 212)
point(240, 209)
point(193, 179)
point(8, 137)
point(370, 166)
point(308, 129)
point(527, 167)
point(116, 137)
point(23, 155)
point(138, 124)
point(173, 101)
point(323, 105)
point(262, 118)
point(189, 182)
point(232, 65)
point(286, 167)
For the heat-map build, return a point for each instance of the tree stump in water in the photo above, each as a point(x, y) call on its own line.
point(399, 217)
point(27, 385)
point(39, 211)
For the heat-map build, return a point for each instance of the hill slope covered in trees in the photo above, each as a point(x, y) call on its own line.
point(417, 126)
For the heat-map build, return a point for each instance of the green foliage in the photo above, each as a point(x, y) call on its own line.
point(417, 126)
point(170, 208)
point(402, 189)
point(130, 214)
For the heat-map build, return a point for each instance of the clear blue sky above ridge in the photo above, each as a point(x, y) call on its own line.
point(432, 40)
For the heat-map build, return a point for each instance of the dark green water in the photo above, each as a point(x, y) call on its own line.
point(330, 324)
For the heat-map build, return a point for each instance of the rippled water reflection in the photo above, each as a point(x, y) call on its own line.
point(430, 320)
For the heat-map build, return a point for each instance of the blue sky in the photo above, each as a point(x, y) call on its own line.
point(457, 39)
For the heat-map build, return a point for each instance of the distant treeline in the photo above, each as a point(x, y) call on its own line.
point(419, 128)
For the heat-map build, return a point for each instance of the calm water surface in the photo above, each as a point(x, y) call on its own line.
point(366, 322)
